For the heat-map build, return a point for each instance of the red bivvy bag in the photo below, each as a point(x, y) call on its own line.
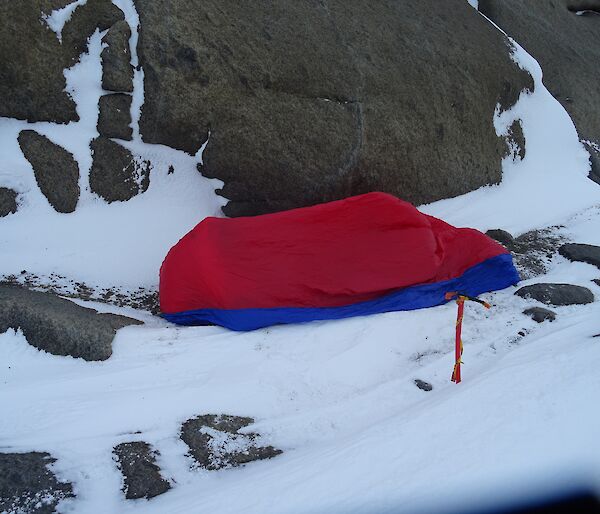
point(363, 255)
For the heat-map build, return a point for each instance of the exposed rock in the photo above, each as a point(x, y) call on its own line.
point(421, 384)
point(539, 314)
point(583, 5)
point(117, 175)
point(581, 253)
point(288, 128)
point(56, 171)
point(594, 162)
point(47, 6)
point(516, 140)
point(115, 116)
point(141, 298)
point(564, 44)
point(142, 478)
point(215, 441)
point(531, 251)
point(557, 294)
point(59, 326)
point(502, 236)
point(86, 18)
point(32, 84)
point(596, 281)
point(8, 201)
point(117, 72)
point(28, 486)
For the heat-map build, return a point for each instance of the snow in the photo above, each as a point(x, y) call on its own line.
point(337, 397)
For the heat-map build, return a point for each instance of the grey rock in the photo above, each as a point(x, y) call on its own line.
point(114, 118)
point(56, 171)
point(59, 326)
point(424, 386)
point(583, 5)
point(32, 83)
point(117, 175)
point(142, 477)
point(211, 453)
point(28, 486)
point(596, 281)
point(117, 71)
point(557, 294)
point(533, 250)
point(309, 102)
point(564, 44)
point(8, 201)
point(539, 314)
point(581, 253)
point(86, 18)
point(502, 236)
point(516, 140)
point(594, 162)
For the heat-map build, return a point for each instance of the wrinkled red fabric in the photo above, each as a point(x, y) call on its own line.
point(328, 255)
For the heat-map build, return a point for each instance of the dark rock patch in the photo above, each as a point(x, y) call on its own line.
point(583, 5)
point(502, 236)
point(594, 163)
point(564, 44)
point(141, 298)
point(28, 486)
point(531, 251)
point(32, 83)
point(596, 281)
point(557, 294)
point(141, 474)
point(539, 314)
point(516, 140)
point(581, 253)
point(288, 128)
point(117, 72)
point(59, 326)
point(117, 175)
point(216, 443)
point(424, 386)
point(86, 18)
point(115, 116)
point(56, 171)
point(8, 201)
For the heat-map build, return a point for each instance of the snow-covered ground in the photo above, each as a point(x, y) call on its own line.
point(338, 397)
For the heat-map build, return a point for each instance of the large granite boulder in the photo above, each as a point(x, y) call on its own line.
point(56, 171)
point(116, 174)
point(59, 326)
point(32, 83)
point(310, 101)
point(567, 46)
point(28, 486)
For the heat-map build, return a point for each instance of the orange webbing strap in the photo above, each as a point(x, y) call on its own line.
point(458, 347)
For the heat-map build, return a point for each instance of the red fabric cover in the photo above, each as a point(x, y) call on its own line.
point(328, 255)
